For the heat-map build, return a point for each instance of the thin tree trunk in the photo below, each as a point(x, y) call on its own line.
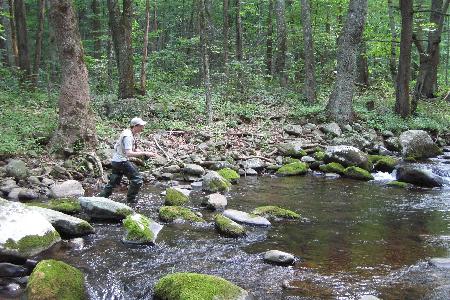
point(22, 38)
point(402, 103)
point(12, 23)
point(310, 82)
point(339, 107)
point(38, 48)
point(5, 44)
point(120, 25)
point(155, 26)
point(239, 54)
point(96, 29)
point(76, 126)
point(204, 30)
point(53, 55)
point(226, 33)
point(280, 62)
point(447, 65)
point(393, 55)
point(362, 74)
point(145, 48)
point(269, 40)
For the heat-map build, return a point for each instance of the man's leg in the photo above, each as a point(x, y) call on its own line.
point(114, 180)
point(131, 171)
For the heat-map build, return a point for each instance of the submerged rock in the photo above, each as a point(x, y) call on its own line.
point(53, 279)
point(228, 227)
point(418, 144)
point(279, 257)
point(24, 232)
point(104, 209)
point(182, 286)
point(243, 217)
point(140, 229)
point(419, 177)
point(275, 212)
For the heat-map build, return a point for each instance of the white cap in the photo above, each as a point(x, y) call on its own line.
point(137, 121)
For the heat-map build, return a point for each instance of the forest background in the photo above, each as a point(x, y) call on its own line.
point(211, 65)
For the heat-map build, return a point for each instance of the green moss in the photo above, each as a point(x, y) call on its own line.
point(357, 173)
point(399, 184)
point(228, 227)
point(85, 226)
point(289, 160)
point(219, 185)
point(333, 167)
point(175, 197)
point(275, 211)
point(193, 286)
point(28, 244)
point(383, 163)
point(410, 159)
point(124, 212)
point(319, 155)
point(171, 213)
point(53, 279)
point(229, 174)
point(138, 228)
point(64, 205)
point(295, 168)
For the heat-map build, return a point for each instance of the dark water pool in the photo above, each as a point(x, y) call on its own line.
point(360, 238)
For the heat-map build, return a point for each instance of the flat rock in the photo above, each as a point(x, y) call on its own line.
point(216, 201)
point(67, 189)
point(104, 209)
point(279, 257)
point(246, 218)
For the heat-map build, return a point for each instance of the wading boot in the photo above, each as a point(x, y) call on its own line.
point(133, 190)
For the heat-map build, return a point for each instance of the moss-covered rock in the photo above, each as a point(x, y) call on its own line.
point(398, 184)
point(332, 168)
point(357, 173)
point(229, 174)
point(290, 160)
point(319, 155)
point(292, 149)
point(295, 168)
point(228, 227)
point(193, 286)
point(68, 206)
point(172, 213)
point(176, 197)
point(53, 279)
point(214, 182)
point(383, 163)
point(137, 229)
point(28, 244)
point(275, 212)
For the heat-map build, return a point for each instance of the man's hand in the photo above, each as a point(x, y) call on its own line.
point(149, 154)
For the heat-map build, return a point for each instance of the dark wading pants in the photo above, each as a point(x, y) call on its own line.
point(118, 170)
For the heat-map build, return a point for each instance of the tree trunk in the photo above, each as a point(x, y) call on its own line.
point(239, 54)
point(310, 80)
point(145, 48)
point(76, 123)
point(120, 25)
point(38, 48)
point(96, 29)
point(426, 83)
point(12, 23)
point(339, 107)
point(362, 74)
point(22, 38)
point(5, 44)
point(269, 40)
point(52, 52)
point(155, 26)
point(393, 56)
point(402, 104)
point(280, 62)
point(204, 30)
point(226, 33)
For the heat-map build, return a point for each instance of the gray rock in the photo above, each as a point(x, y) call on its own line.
point(34, 180)
point(246, 218)
point(387, 134)
point(253, 163)
point(295, 130)
point(347, 128)
point(27, 194)
point(279, 257)
point(419, 177)
point(368, 297)
point(351, 139)
point(250, 172)
point(216, 201)
point(393, 144)
point(14, 193)
point(66, 225)
point(193, 169)
point(332, 176)
point(347, 156)
point(67, 189)
point(140, 221)
point(441, 262)
point(292, 148)
point(7, 185)
point(331, 128)
point(218, 165)
point(19, 224)
point(197, 184)
point(307, 159)
point(213, 182)
point(17, 169)
point(12, 270)
point(171, 169)
point(418, 144)
point(48, 182)
point(104, 209)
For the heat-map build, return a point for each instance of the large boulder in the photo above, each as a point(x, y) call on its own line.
point(213, 182)
point(421, 177)
point(66, 225)
point(246, 218)
point(181, 286)
point(17, 169)
point(24, 232)
point(52, 279)
point(418, 144)
point(100, 208)
point(140, 229)
point(347, 156)
point(69, 188)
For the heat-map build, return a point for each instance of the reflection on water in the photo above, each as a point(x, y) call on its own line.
point(361, 238)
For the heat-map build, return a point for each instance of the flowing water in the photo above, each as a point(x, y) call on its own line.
point(357, 238)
